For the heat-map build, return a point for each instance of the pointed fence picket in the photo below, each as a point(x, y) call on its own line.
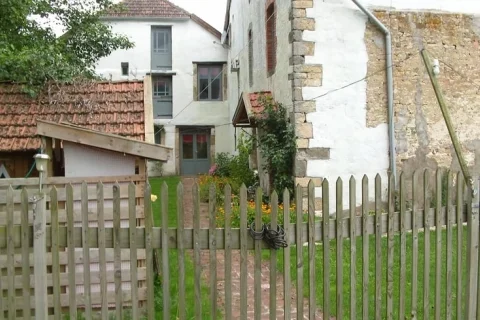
point(384, 280)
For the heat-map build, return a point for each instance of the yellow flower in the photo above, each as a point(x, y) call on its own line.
point(153, 197)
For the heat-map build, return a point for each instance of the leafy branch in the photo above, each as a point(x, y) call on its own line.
point(277, 142)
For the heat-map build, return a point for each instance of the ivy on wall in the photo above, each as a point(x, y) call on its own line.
point(277, 142)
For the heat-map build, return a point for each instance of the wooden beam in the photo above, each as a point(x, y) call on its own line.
point(65, 180)
point(220, 233)
point(148, 109)
point(49, 152)
point(448, 120)
point(102, 140)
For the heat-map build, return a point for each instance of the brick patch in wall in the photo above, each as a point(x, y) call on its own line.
point(302, 76)
point(313, 154)
point(305, 106)
point(302, 143)
point(302, 4)
point(303, 24)
point(304, 48)
point(304, 130)
point(300, 169)
point(298, 13)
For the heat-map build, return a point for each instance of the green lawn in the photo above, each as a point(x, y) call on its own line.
point(396, 275)
point(172, 183)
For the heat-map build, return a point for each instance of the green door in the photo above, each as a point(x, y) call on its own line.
point(194, 152)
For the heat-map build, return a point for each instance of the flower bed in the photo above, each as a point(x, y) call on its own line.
point(251, 209)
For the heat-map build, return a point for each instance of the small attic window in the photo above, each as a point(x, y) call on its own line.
point(124, 68)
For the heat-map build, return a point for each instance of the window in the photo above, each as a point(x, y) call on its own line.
point(161, 40)
point(210, 82)
point(161, 48)
point(162, 97)
point(159, 135)
point(124, 68)
point(271, 38)
point(250, 57)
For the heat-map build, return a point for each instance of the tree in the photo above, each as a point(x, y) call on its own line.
point(32, 54)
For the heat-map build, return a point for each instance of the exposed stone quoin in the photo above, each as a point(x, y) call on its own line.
point(303, 75)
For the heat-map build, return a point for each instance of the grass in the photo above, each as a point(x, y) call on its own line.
point(172, 183)
point(345, 287)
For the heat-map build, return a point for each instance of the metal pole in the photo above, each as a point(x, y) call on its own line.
point(39, 252)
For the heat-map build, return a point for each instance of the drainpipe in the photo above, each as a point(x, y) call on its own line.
point(389, 67)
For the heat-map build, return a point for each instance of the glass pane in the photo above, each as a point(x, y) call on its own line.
point(155, 42)
point(216, 71)
point(161, 42)
point(203, 89)
point(203, 72)
point(202, 146)
point(187, 144)
point(158, 135)
point(216, 89)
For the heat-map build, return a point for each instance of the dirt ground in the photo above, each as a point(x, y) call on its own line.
point(265, 282)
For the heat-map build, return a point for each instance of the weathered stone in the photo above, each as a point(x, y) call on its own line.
point(296, 60)
point(307, 68)
point(313, 75)
point(313, 153)
point(304, 130)
point(295, 35)
point(302, 143)
point(297, 75)
point(297, 94)
point(300, 168)
point(303, 24)
point(297, 13)
point(312, 82)
point(305, 106)
point(304, 181)
point(302, 4)
point(297, 117)
point(304, 48)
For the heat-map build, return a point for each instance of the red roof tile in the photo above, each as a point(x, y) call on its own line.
point(255, 102)
point(149, 8)
point(250, 107)
point(115, 107)
point(158, 9)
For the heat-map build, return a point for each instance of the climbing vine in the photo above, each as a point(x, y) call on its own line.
point(277, 142)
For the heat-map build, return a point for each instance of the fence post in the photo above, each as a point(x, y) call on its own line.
point(39, 252)
point(472, 256)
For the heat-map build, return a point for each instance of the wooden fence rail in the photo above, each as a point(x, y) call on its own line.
point(384, 280)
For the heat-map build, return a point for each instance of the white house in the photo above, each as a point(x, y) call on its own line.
point(189, 87)
point(329, 62)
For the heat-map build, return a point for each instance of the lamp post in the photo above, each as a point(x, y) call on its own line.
point(39, 243)
point(41, 162)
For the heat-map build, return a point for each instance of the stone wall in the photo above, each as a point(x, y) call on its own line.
point(422, 138)
point(304, 75)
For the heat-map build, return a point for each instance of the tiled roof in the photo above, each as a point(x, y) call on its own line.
point(250, 107)
point(158, 9)
point(255, 102)
point(115, 107)
point(149, 8)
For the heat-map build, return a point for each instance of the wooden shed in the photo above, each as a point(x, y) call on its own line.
point(103, 142)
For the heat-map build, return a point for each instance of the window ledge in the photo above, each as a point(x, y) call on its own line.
point(162, 73)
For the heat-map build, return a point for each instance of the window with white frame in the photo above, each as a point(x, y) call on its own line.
point(210, 78)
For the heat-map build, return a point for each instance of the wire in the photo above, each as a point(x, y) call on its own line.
point(463, 76)
point(362, 79)
point(409, 56)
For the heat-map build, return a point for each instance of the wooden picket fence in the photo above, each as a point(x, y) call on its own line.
point(394, 216)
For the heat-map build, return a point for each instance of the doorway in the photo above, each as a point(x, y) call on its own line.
point(194, 151)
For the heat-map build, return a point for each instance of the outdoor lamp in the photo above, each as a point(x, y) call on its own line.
point(41, 161)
